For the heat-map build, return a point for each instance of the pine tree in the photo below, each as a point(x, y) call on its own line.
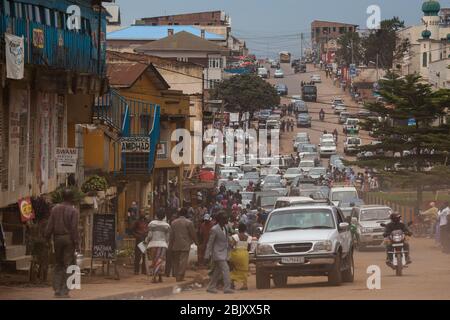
point(412, 135)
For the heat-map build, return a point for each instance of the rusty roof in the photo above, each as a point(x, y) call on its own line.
point(125, 74)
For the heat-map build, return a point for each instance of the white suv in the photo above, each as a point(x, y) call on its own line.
point(304, 241)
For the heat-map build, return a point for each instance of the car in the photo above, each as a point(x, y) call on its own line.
point(270, 170)
point(343, 194)
point(351, 125)
point(264, 115)
point(285, 202)
point(314, 156)
point(291, 174)
point(306, 165)
point(339, 108)
point(263, 73)
point(326, 136)
point(299, 141)
point(252, 176)
point(266, 199)
point(315, 78)
point(275, 65)
point(327, 148)
point(272, 181)
point(282, 89)
point(278, 73)
point(335, 101)
point(317, 172)
point(304, 241)
point(302, 134)
point(367, 219)
point(304, 120)
point(364, 114)
point(231, 185)
point(351, 145)
point(306, 149)
point(309, 93)
point(247, 198)
point(300, 106)
point(343, 117)
point(225, 174)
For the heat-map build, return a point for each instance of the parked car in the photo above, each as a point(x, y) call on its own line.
point(304, 120)
point(278, 73)
point(282, 89)
point(367, 219)
point(304, 241)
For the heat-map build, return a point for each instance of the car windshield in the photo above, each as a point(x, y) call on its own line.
point(375, 214)
point(307, 164)
point(318, 171)
point(328, 144)
point(337, 101)
point(267, 201)
point(300, 219)
point(344, 196)
point(251, 175)
point(293, 171)
point(354, 141)
point(308, 148)
point(309, 89)
point(301, 139)
point(352, 122)
point(272, 179)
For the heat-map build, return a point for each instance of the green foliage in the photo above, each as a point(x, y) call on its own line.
point(413, 156)
point(242, 93)
point(56, 195)
point(350, 49)
point(94, 183)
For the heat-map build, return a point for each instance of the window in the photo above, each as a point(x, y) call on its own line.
point(183, 59)
point(215, 62)
point(424, 60)
point(334, 29)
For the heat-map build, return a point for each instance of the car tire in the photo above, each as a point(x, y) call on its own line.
point(348, 275)
point(262, 279)
point(335, 274)
point(280, 280)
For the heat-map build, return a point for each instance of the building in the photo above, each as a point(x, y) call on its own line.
point(324, 35)
point(209, 18)
point(429, 51)
point(114, 19)
point(64, 70)
point(186, 47)
point(129, 38)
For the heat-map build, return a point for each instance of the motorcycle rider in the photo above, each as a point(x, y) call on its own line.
point(396, 224)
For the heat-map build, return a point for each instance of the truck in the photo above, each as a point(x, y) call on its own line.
point(309, 93)
point(285, 57)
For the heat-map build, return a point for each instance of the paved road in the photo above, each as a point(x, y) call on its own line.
point(428, 277)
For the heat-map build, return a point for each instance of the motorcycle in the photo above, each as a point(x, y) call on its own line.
point(396, 250)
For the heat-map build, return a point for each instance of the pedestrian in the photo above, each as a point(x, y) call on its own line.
point(430, 217)
point(139, 231)
point(157, 242)
point(217, 251)
point(239, 258)
point(203, 236)
point(292, 125)
point(169, 265)
point(174, 205)
point(444, 227)
point(181, 238)
point(63, 226)
point(132, 216)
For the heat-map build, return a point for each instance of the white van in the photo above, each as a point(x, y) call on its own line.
point(263, 73)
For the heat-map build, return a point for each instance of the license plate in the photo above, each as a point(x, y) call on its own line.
point(293, 260)
point(397, 245)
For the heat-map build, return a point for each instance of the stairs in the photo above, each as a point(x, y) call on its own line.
point(16, 258)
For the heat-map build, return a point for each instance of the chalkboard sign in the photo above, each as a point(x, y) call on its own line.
point(104, 236)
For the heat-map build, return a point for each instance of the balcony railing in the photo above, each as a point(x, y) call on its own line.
point(53, 47)
point(130, 118)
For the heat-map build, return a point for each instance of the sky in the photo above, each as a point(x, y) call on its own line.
point(271, 26)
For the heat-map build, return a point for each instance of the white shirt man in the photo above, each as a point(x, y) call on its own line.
point(443, 216)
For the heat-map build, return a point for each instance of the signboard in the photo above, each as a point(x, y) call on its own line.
point(161, 150)
point(26, 209)
point(66, 159)
point(38, 38)
point(234, 117)
point(15, 56)
point(104, 236)
point(135, 144)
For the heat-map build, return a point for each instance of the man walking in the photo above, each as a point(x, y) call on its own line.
point(444, 227)
point(174, 205)
point(139, 231)
point(217, 251)
point(182, 236)
point(63, 226)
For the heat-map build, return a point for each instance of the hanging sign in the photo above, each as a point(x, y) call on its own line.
point(66, 159)
point(135, 144)
point(15, 56)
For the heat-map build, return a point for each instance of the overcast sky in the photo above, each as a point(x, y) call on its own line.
point(270, 26)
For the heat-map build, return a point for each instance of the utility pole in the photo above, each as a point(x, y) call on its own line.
point(301, 45)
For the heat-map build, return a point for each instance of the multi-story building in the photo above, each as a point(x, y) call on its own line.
point(209, 18)
point(324, 35)
point(114, 18)
point(64, 69)
point(429, 50)
point(184, 46)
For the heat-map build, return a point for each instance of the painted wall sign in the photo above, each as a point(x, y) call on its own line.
point(38, 38)
point(135, 144)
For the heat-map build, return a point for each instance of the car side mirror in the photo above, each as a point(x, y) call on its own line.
point(344, 226)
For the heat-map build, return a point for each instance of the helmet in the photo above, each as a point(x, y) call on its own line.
point(395, 217)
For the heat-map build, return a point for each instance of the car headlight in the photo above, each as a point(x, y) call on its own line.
point(323, 246)
point(264, 249)
point(366, 230)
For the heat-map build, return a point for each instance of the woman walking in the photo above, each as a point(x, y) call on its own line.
point(157, 240)
point(239, 256)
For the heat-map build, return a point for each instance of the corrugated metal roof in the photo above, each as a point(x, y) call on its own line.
point(125, 74)
point(157, 32)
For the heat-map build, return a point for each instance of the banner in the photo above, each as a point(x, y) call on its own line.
point(15, 56)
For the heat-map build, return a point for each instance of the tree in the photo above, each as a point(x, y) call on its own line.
point(385, 44)
point(414, 140)
point(350, 49)
point(242, 93)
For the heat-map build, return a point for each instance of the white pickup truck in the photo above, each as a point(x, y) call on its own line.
point(307, 240)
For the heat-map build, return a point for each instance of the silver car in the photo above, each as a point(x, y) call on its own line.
point(367, 219)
